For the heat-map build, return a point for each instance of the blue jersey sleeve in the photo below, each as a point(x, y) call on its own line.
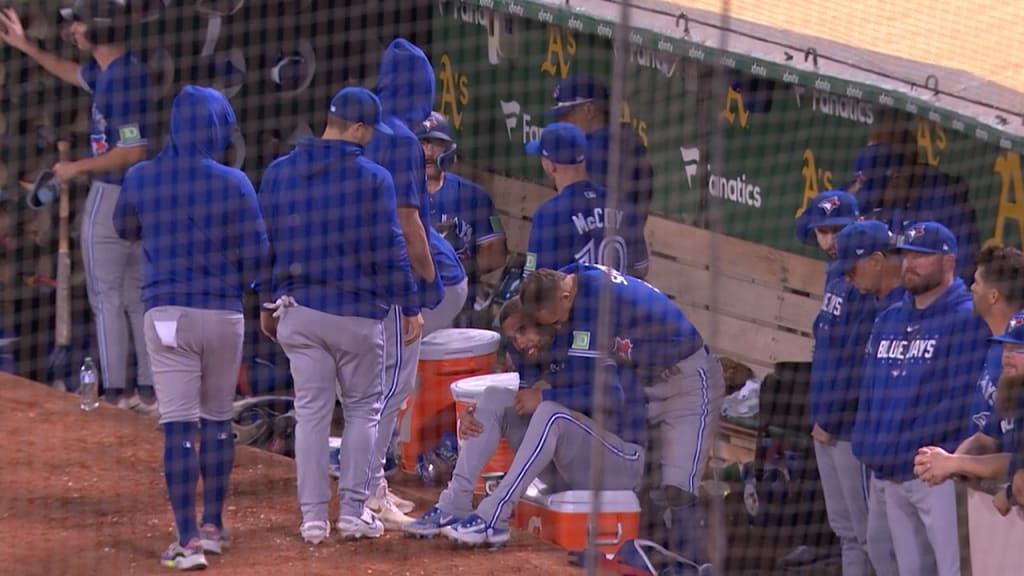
point(483, 218)
point(391, 264)
point(544, 248)
point(267, 200)
point(126, 104)
point(126, 216)
point(252, 240)
point(535, 243)
point(88, 74)
point(406, 165)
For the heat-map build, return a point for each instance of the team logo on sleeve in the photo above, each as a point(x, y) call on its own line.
point(829, 204)
point(623, 348)
point(531, 262)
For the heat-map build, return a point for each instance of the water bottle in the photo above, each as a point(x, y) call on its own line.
point(89, 386)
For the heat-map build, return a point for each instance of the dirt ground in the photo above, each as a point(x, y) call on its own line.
point(83, 493)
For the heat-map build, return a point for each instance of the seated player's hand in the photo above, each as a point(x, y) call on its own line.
point(268, 324)
point(540, 385)
point(1000, 503)
point(469, 426)
point(412, 327)
point(527, 400)
point(822, 437)
point(1018, 487)
point(933, 465)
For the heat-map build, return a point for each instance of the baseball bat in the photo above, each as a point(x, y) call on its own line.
point(63, 327)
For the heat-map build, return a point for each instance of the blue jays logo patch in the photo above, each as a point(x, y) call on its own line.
point(915, 232)
point(829, 204)
point(1015, 322)
point(430, 123)
point(555, 93)
point(623, 348)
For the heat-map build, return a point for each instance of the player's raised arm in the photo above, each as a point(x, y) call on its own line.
point(13, 34)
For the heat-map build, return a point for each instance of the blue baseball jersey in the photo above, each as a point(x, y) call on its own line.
point(464, 208)
point(576, 225)
point(316, 201)
point(985, 394)
point(841, 331)
point(636, 188)
point(202, 233)
point(120, 113)
point(921, 369)
point(405, 86)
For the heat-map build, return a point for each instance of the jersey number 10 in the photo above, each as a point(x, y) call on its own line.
point(610, 252)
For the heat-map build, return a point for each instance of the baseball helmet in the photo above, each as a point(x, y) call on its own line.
point(436, 127)
point(259, 421)
point(106, 20)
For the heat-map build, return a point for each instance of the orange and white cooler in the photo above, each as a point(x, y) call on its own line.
point(445, 356)
point(563, 518)
point(469, 391)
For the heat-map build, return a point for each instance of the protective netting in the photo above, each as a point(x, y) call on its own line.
point(827, 399)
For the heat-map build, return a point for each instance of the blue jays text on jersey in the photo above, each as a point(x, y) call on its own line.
point(919, 381)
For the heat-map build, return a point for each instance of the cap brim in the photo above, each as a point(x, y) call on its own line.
point(1005, 339)
point(383, 128)
point(918, 249)
point(532, 148)
point(842, 221)
point(558, 110)
point(436, 136)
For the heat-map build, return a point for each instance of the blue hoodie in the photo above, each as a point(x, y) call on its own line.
point(841, 331)
point(202, 234)
point(405, 86)
point(921, 372)
point(334, 233)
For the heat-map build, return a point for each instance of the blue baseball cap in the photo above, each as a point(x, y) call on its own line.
point(435, 127)
point(356, 104)
point(927, 238)
point(832, 208)
point(561, 143)
point(1014, 331)
point(860, 240)
point(575, 90)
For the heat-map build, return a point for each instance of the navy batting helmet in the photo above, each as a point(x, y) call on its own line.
point(106, 20)
point(436, 127)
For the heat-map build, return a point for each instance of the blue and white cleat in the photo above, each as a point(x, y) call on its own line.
point(474, 531)
point(431, 523)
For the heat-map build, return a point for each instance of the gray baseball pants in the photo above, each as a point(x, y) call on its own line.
point(400, 364)
point(922, 521)
point(879, 542)
point(844, 483)
point(195, 354)
point(554, 436)
point(113, 274)
point(333, 357)
point(684, 405)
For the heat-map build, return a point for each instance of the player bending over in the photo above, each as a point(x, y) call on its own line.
point(681, 378)
point(205, 242)
point(551, 426)
point(339, 252)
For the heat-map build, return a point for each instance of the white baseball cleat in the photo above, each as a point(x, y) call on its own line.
point(365, 526)
point(315, 532)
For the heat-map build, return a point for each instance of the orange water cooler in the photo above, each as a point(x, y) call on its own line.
point(469, 391)
point(445, 356)
point(563, 518)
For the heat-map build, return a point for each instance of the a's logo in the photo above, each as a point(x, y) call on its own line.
point(623, 348)
point(829, 204)
point(691, 157)
point(735, 109)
